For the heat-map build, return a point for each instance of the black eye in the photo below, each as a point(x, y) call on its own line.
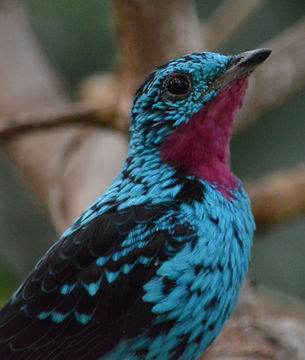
point(178, 85)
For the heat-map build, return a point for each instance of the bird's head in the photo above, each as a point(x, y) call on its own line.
point(185, 110)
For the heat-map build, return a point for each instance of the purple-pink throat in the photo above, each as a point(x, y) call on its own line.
point(201, 147)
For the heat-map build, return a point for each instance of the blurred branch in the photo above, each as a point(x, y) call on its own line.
point(55, 162)
point(259, 332)
point(282, 75)
point(278, 196)
point(28, 82)
point(225, 20)
point(16, 125)
point(153, 32)
point(96, 90)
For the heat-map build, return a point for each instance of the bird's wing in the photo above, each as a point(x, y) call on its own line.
point(81, 292)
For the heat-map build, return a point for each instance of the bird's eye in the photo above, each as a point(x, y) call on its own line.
point(178, 85)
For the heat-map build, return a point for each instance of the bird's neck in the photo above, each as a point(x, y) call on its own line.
point(201, 146)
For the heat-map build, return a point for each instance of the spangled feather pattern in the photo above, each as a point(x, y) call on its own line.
point(91, 278)
point(151, 270)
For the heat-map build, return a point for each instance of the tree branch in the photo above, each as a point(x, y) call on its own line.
point(279, 196)
point(225, 20)
point(56, 162)
point(19, 124)
point(282, 75)
point(259, 332)
point(153, 32)
point(28, 82)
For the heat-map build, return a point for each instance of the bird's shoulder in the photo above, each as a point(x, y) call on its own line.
point(100, 268)
point(110, 237)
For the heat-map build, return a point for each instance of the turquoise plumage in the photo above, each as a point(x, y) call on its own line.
point(152, 270)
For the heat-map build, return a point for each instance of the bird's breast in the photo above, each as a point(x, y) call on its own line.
point(198, 287)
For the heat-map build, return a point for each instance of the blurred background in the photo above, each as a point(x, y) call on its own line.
point(79, 39)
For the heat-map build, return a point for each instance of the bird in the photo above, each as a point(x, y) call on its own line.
point(153, 268)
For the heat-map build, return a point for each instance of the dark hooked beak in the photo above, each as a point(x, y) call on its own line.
point(241, 65)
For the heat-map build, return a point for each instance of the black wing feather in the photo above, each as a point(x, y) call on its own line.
point(73, 261)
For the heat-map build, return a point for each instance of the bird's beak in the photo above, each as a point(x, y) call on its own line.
point(241, 65)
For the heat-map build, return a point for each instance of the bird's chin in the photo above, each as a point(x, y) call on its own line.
point(231, 95)
point(234, 82)
point(223, 107)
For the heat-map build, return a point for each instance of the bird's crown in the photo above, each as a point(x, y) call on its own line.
point(180, 83)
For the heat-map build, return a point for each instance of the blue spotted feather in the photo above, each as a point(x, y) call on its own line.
point(152, 269)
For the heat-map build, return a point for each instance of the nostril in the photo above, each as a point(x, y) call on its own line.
point(253, 58)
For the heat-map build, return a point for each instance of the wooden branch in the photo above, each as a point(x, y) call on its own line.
point(19, 124)
point(278, 197)
point(68, 166)
point(226, 19)
point(95, 91)
point(28, 82)
point(280, 77)
point(257, 331)
point(151, 33)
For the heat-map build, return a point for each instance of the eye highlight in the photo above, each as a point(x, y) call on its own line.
point(178, 85)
